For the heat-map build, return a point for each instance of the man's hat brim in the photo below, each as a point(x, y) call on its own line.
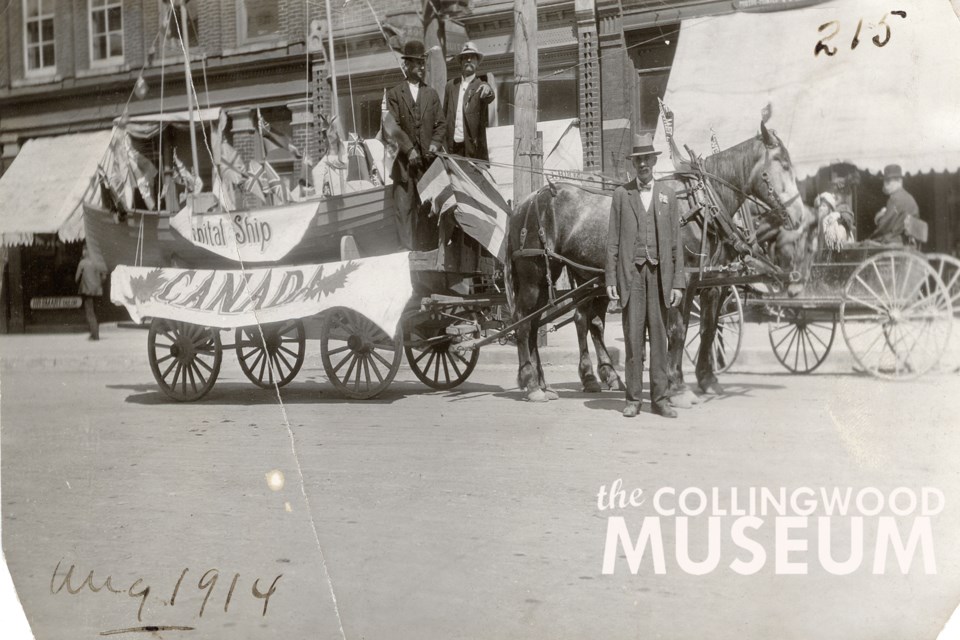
point(643, 151)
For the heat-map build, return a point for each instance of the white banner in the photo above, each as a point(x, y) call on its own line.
point(378, 288)
point(261, 235)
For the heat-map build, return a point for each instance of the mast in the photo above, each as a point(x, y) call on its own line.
point(185, 40)
point(335, 106)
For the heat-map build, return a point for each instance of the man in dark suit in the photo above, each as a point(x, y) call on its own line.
point(415, 107)
point(891, 220)
point(465, 105)
point(645, 264)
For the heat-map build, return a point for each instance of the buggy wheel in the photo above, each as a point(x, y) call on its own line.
point(273, 357)
point(800, 343)
point(432, 351)
point(896, 315)
point(185, 358)
point(948, 268)
point(726, 346)
point(360, 360)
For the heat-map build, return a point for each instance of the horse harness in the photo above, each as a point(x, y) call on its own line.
point(546, 250)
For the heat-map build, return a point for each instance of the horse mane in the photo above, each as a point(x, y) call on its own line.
point(735, 165)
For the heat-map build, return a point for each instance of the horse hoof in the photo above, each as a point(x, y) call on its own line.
point(537, 395)
point(712, 389)
point(682, 401)
point(592, 386)
point(615, 385)
point(550, 394)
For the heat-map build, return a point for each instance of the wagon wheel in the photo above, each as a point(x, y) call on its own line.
point(726, 346)
point(801, 343)
point(282, 358)
point(185, 358)
point(948, 268)
point(432, 352)
point(359, 358)
point(896, 315)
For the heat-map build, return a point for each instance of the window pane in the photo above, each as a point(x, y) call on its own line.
point(99, 48)
point(116, 44)
point(48, 59)
point(33, 35)
point(99, 23)
point(262, 17)
point(33, 8)
point(48, 30)
point(33, 58)
point(651, 86)
point(98, 3)
point(114, 19)
point(558, 99)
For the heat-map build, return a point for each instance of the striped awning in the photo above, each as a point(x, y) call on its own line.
point(42, 190)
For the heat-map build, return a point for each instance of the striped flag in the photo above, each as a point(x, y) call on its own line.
point(470, 191)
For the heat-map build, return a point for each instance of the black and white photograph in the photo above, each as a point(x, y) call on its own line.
point(480, 319)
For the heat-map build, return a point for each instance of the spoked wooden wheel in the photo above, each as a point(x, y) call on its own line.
point(185, 358)
point(726, 346)
point(800, 343)
point(896, 315)
point(948, 268)
point(359, 358)
point(275, 357)
point(432, 351)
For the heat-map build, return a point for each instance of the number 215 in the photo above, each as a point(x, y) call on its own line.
point(833, 28)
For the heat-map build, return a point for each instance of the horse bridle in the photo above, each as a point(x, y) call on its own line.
point(778, 209)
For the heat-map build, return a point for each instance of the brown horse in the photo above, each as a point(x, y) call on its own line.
point(571, 222)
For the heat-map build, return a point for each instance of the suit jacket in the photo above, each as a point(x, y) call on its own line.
point(891, 225)
point(622, 238)
point(422, 121)
point(475, 116)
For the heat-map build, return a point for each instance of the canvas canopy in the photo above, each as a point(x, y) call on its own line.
point(42, 190)
point(869, 105)
point(562, 151)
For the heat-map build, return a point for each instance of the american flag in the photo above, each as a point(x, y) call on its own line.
point(472, 193)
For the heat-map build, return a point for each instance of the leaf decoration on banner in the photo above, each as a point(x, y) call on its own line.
point(335, 281)
point(145, 287)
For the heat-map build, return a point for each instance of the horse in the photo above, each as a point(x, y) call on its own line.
point(569, 224)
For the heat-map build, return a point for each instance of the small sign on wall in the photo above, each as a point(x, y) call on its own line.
point(56, 302)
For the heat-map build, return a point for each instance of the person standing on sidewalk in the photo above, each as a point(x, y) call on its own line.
point(645, 263)
point(91, 275)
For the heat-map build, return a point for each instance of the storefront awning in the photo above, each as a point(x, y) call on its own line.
point(42, 190)
point(868, 105)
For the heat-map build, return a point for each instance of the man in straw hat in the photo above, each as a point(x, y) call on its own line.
point(645, 271)
point(465, 107)
point(415, 107)
point(892, 219)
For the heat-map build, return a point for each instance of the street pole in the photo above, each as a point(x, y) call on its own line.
point(526, 147)
point(185, 38)
point(335, 107)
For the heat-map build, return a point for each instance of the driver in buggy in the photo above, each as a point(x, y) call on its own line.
point(899, 222)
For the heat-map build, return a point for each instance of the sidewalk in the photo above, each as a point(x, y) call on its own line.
point(123, 347)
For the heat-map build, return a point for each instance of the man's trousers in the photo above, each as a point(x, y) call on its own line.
point(646, 312)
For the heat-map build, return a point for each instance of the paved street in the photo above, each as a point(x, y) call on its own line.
point(462, 514)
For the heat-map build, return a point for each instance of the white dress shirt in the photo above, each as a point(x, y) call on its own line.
point(414, 90)
point(458, 126)
point(645, 196)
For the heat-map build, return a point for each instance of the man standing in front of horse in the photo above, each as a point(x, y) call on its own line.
point(415, 107)
point(645, 265)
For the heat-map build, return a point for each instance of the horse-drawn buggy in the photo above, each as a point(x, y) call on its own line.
point(893, 306)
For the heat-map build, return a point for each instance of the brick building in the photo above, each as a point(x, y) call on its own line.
point(70, 66)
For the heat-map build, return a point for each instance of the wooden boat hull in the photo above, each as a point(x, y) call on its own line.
point(368, 216)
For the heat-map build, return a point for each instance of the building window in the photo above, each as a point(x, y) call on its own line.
point(557, 98)
point(652, 52)
point(174, 27)
point(38, 36)
point(106, 31)
point(258, 19)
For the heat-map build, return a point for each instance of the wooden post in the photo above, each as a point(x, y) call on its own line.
point(526, 69)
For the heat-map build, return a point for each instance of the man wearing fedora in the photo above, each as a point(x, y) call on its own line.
point(465, 107)
point(415, 107)
point(645, 271)
point(891, 220)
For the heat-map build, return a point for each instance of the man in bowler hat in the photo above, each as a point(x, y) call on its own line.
point(465, 107)
point(415, 107)
point(891, 220)
point(645, 271)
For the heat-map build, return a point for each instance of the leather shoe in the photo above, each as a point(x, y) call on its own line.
point(631, 410)
point(665, 410)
